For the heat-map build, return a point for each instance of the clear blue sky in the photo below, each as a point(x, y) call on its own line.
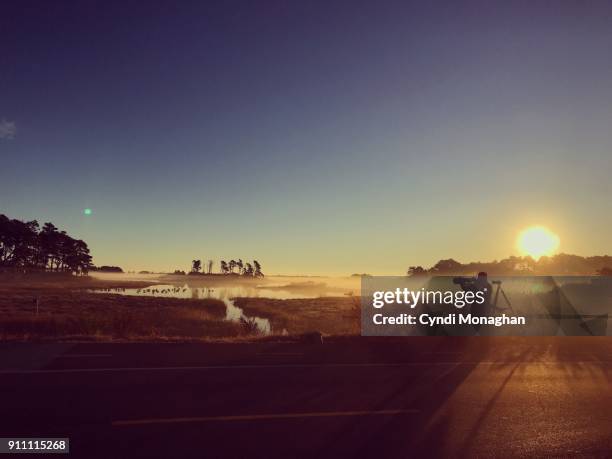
point(317, 137)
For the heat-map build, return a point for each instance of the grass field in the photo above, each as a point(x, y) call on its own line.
point(64, 310)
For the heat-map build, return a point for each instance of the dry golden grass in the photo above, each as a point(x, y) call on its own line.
point(66, 314)
point(328, 315)
point(67, 311)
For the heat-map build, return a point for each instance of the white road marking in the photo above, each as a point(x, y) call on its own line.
point(306, 365)
point(261, 417)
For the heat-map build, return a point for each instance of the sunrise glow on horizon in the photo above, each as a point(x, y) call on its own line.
point(538, 241)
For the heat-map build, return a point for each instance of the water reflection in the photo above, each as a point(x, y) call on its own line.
point(225, 294)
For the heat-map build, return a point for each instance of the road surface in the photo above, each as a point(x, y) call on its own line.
point(378, 397)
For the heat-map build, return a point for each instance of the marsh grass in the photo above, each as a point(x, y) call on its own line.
point(67, 311)
point(78, 314)
point(328, 315)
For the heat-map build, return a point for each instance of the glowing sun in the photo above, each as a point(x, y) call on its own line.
point(537, 241)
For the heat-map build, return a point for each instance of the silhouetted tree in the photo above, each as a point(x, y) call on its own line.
point(224, 267)
point(416, 271)
point(232, 265)
point(240, 266)
point(560, 264)
point(446, 266)
point(196, 266)
point(248, 270)
point(107, 269)
point(257, 268)
point(18, 243)
point(76, 256)
point(25, 247)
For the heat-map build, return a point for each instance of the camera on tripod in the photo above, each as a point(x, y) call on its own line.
point(469, 284)
point(465, 282)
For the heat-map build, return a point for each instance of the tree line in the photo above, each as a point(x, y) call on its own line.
point(229, 267)
point(26, 247)
point(560, 264)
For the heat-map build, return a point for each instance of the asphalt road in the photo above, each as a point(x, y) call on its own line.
point(381, 397)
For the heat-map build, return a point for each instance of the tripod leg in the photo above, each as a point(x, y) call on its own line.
point(507, 301)
point(496, 296)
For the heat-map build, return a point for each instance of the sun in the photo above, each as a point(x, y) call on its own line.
point(537, 241)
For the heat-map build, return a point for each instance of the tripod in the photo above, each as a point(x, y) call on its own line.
point(497, 292)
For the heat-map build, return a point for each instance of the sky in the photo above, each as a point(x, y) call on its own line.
point(323, 137)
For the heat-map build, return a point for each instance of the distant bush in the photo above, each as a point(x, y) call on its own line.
point(107, 269)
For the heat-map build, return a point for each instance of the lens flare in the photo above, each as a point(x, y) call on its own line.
point(538, 241)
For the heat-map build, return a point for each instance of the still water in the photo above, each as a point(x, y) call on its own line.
point(227, 294)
